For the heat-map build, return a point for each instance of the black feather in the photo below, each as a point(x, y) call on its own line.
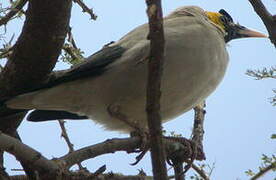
point(226, 15)
point(95, 65)
point(47, 115)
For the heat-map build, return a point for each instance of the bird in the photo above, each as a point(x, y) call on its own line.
point(109, 87)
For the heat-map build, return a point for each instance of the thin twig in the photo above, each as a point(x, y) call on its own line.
point(67, 140)
point(65, 136)
point(263, 171)
point(268, 19)
point(201, 172)
point(5, 52)
point(155, 64)
point(20, 4)
point(71, 38)
point(86, 9)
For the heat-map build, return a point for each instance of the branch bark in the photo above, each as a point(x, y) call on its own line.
point(268, 19)
point(67, 140)
point(176, 148)
point(38, 46)
point(26, 154)
point(34, 54)
point(156, 58)
point(108, 146)
point(29, 171)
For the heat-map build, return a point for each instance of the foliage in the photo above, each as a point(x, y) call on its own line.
point(264, 74)
point(71, 55)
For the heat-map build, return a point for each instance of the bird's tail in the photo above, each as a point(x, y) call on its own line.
point(6, 112)
point(37, 115)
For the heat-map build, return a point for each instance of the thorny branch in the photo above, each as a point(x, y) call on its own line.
point(86, 9)
point(268, 19)
point(65, 136)
point(264, 171)
point(67, 140)
point(262, 74)
point(14, 10)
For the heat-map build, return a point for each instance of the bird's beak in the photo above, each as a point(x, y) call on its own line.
point(245, 32)
point(236, 31)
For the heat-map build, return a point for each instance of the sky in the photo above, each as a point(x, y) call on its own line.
point(239, 119)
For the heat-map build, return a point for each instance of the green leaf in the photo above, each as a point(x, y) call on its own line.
point(273, 136)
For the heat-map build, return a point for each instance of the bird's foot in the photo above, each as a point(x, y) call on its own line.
point(144, 147)
point(115, 111)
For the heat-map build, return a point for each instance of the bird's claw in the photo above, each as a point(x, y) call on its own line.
point(144, 147)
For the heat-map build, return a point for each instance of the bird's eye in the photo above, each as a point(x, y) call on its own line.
point(224, 19)
point(226, 15)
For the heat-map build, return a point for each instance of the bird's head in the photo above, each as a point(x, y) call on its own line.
point(233, 30)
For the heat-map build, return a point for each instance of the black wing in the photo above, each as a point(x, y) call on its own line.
point(93, 66)
point(45, 115)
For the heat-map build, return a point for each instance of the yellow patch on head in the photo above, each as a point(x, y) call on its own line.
point(215, 18)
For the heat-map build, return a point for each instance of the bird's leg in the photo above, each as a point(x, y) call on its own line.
point(142, 60)
point(115, 111)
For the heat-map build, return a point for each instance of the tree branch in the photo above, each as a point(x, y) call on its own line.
point(86, 9)
point(32, 174)
point(26, 154)
point(108, 146)
point(156, 58)
point(89, 176)
point(268, 19)
point(14, 10)
point(34, 54)
point(176, 148)
point(264, 170)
